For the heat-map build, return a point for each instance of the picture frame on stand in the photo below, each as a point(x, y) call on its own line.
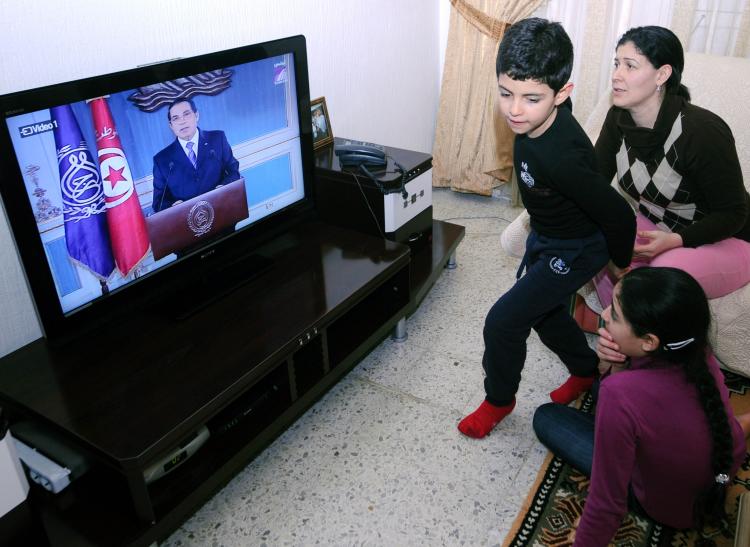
point(321, 123)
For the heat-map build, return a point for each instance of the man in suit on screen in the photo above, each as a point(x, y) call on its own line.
point(196, 162)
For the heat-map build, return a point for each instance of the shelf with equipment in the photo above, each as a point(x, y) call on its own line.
point(348, 197)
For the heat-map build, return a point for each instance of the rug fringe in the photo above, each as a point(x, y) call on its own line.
point(526, 505)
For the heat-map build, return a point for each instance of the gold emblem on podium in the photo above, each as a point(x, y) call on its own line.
point(200, 218)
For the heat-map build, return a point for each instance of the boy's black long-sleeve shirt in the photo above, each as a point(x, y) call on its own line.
point(564, 193)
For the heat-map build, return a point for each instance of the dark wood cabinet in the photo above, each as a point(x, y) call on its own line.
point(245, 366)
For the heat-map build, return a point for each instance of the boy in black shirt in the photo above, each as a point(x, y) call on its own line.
point(578, 222)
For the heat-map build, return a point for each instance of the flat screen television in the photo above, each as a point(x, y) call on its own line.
point(138, 183)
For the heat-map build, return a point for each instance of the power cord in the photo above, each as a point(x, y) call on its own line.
point(379, 184)
point(364, 197)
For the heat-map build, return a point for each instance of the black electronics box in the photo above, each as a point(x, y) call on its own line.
point(347, 196)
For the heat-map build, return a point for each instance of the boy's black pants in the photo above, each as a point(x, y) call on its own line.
point(555, 269)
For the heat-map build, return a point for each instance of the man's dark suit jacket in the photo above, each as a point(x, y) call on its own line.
point(175, 178)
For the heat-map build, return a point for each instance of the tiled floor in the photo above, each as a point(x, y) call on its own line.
point(378, 460)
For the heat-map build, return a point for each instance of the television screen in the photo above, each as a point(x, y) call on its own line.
point(127, 175)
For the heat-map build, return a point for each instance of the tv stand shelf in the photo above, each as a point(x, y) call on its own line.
point(246, 366)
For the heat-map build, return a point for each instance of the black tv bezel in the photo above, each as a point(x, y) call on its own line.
point(58, 326)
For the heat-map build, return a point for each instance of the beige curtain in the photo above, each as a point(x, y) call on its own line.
point(603, 26)
point(742, 45)
point(473, 147)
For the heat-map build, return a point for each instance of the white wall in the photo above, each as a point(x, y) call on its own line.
point(445, 17)
point(376, 63)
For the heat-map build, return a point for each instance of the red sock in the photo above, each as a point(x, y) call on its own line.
point(571, 389)
point(480, 422)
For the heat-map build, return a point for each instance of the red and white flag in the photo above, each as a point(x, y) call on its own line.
point(127, 226)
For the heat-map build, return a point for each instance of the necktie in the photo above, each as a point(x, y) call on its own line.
point(191, 153)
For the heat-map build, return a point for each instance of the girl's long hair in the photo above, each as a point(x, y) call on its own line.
point(670, 304)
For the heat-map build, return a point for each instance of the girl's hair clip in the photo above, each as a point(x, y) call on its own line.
point(722, 478)
point(678, 345)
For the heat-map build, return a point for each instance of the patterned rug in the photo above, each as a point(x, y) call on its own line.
point(554, 506)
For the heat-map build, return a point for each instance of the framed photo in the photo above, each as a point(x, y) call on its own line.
point(321, 123)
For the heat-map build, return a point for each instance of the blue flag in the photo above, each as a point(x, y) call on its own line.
point(86, 234)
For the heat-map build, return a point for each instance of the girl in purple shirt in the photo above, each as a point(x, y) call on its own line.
point(664, 440)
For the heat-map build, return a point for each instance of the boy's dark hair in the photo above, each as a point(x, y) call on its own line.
point(671, 304)
point(536, 49)
point(661, 47)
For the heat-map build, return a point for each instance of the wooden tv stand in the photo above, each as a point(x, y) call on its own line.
point(246, 366)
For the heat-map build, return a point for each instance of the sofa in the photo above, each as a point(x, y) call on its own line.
point(718, 84)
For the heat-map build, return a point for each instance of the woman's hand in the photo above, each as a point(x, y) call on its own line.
point(656, 243)
point(607, 349)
